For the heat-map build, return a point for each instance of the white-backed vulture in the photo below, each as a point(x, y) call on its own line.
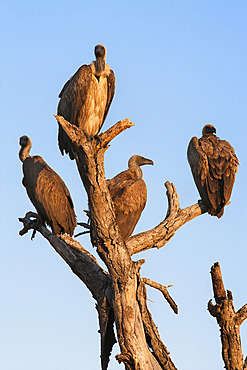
point(47, 191)
point(86, 98)
point(213, 164)
point(129, 194)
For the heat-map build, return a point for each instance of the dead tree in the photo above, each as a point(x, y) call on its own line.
point(119, 292)
point(228, 320)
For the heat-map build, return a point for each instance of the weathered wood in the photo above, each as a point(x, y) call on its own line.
point(112, 249)
point(120, 293)
point(78, 136)
point(228, 320)
point(86, 267)
point(162, 233)
point(115, 130)
point(154, 342)
point(83, 264)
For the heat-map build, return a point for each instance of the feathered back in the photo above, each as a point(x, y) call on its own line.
point(49, 195)
point(129, 196)
point(72, 98)
point(213, 164)
point(74, 94)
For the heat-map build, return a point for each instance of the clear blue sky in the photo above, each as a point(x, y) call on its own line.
point(178, 65)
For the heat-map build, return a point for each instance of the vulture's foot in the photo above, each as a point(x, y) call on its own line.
point(203, 206)
point(89, 138)
point(86, 226)
point(31, 221)
point(97, 142)
point(82, 233)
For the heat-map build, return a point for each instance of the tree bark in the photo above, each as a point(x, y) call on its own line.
point(228, 320)
point(86, 267)
point(120, 292)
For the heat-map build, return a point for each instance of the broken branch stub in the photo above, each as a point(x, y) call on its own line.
point(228, 320)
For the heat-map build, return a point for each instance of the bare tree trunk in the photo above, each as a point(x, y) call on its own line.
point(112, 249)
point(120, 292)
point(228, 320)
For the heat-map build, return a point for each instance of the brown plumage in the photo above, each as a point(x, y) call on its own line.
point(47, 191)
point(86, 98)
point(129, 194)
point(213, 164)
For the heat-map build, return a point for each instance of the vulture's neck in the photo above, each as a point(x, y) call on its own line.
point(100, 66)
point(209, 135)
point(24, 152)
point(136, 168)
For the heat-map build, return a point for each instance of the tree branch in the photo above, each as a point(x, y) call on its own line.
point(228, 320)
point(241, 315)
point(115, 130)
point(160, 351)
point(79, 138)
point(82, 263)
point(218, 286)
point(173, 201)
point(175, 218)
point(164, 291)
point(108, 339)
point(86, 267)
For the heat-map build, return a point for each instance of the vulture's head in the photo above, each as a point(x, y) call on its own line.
point(137, 160)
point(25, 141)
point(100, 51)
point(208, 129)
point(25, 144)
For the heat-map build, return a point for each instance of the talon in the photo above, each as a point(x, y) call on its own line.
point(33, 234)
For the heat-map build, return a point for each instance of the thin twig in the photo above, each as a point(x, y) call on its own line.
point(164, 291)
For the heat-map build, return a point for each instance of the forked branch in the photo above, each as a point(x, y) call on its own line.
point(175, 218)
point(78, 137)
